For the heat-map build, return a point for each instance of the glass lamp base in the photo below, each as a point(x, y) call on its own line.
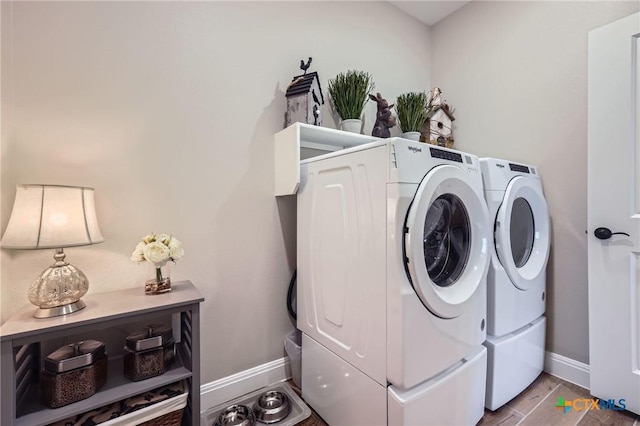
point(59, 310)
point(58, 289)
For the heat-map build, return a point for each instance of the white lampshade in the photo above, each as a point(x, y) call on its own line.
point(51, 216)
point(54, 216)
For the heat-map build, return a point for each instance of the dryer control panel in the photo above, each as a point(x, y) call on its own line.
point(497, 173)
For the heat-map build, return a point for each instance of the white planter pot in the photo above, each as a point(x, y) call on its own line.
point(413, 136)
point(352, 125)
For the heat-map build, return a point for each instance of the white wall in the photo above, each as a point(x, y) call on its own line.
point(517, 74)
point(168, 109)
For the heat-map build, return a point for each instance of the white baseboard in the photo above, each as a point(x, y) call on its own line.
point(567, 369)
point(230, 387)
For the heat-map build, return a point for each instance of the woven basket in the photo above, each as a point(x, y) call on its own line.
point(173, 418)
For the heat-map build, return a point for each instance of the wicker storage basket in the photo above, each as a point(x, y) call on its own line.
point(166, 412)
point(171, 419)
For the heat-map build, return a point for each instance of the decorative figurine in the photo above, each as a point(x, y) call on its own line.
point(384, 119)
point(438, 128)
point(304, 98)
point(436, 97)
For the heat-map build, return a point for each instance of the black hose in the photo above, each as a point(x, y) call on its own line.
point(292, 283)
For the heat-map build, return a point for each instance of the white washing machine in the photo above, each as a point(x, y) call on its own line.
point(394, 244)
point(517, 278)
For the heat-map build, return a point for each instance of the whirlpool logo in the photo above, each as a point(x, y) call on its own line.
point(586, 404)
point(414, 149)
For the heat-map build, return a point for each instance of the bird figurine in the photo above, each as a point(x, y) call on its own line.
point(304, 67)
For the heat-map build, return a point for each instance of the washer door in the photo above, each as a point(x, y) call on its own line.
point(522, 233)
point(446, 241)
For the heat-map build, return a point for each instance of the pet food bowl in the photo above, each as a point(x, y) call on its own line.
point(271, 407)
point(236, 415)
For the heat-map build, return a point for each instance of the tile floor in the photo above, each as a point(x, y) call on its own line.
point(535, 406)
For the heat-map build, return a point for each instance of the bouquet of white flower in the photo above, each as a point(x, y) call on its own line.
point(158, 249)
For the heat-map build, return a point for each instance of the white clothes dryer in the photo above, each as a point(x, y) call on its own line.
point(517, 278)
point(394, 245)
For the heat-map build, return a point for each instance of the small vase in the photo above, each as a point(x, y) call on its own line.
point(352, 125)
point(159, 284)
point(412, 136)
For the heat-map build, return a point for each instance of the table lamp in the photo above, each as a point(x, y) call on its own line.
point(54, 216)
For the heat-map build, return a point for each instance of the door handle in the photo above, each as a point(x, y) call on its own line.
point(605, 233)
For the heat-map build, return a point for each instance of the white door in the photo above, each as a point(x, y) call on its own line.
point(614, 204)
point(522, 232)
point(446, 241)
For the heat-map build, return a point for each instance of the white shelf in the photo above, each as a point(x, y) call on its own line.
point(290, 141)
point(21, 327)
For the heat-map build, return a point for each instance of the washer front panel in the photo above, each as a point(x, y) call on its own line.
point(447, 241)
point(522, 232)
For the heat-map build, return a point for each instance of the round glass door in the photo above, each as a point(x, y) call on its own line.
point(446, 241)
point(522, 232)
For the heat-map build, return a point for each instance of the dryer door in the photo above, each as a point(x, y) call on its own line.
point(522, 232)
point(446, 241)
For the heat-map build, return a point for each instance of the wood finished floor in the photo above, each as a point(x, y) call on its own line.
point(535, 406)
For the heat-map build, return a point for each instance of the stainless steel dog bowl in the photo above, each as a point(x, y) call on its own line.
point(271, 407)
point(236, 415)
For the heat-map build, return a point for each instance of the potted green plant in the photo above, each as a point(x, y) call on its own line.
point(412, 112)
point(349, 93)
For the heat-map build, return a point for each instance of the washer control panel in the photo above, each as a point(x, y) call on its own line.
point(445, 155)
point(518, 168)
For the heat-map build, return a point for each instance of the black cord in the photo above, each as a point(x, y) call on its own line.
point(292, 283)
